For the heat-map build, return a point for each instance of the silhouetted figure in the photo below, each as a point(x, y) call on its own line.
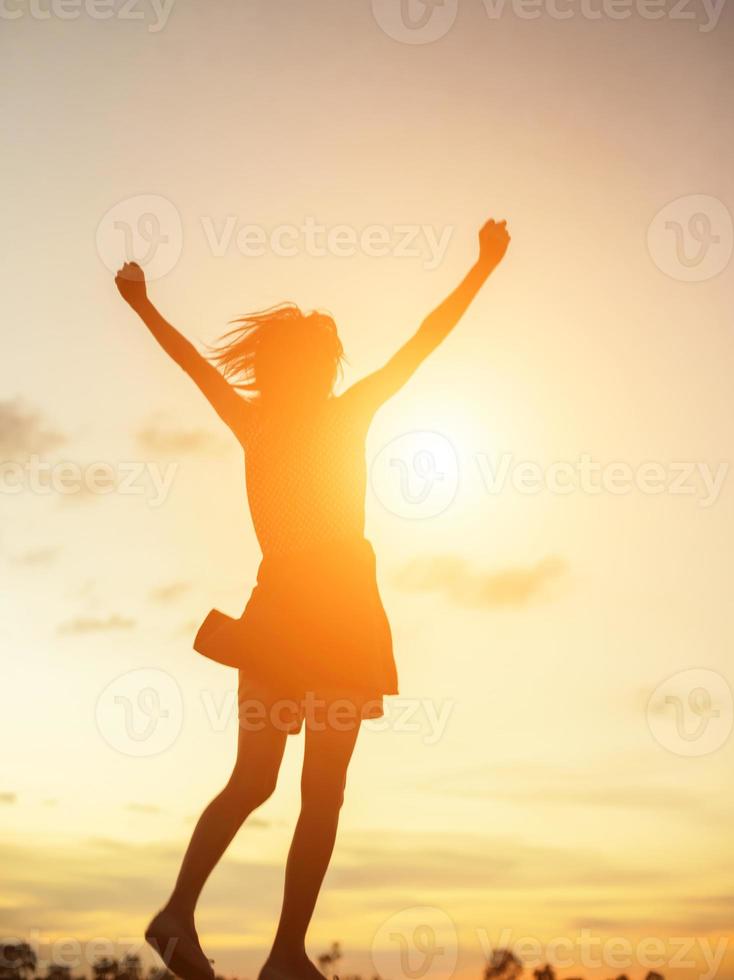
point(313, 645)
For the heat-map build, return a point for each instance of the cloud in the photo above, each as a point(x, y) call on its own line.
point(258, 822)
point(94, 886)
point(454, 577)
point(166, 593)
point(36, 556)
point(364, 863)
point(8, 798)
point(539, 786)
point(469, 861)
point(95, 624)
point(160, 438)
point(23, 432)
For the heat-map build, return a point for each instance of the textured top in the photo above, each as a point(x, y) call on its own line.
point(307, 476)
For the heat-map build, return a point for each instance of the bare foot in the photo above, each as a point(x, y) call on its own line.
point(177, 944)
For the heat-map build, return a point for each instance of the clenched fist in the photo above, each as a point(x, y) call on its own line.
point(493, 241)
point(130, 281)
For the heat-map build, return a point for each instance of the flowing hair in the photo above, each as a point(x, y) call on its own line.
point(280, 345)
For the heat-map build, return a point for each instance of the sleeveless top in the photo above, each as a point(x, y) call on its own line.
point(307, 477)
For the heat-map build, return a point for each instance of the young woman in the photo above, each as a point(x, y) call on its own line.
point(314, 644)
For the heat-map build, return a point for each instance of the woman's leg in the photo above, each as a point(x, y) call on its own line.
point(253, 779)
point(325, 764)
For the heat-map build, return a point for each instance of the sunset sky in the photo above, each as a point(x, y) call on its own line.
point(555, 626)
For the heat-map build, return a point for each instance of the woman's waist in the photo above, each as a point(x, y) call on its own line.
point(338, 562)
point(326, 549)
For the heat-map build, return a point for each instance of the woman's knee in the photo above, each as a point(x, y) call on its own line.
point(247, 790)
point(323, 792)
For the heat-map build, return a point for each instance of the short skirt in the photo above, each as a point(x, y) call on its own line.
point(314, 638)
point(340, 711)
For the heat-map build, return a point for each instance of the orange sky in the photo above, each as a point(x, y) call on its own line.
point(532, 778)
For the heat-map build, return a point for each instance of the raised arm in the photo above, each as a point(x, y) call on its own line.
point(376, 388)
point(231, 408)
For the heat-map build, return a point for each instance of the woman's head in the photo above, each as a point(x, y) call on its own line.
point(282, 353)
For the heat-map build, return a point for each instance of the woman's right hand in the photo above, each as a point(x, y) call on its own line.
point(130, 281)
